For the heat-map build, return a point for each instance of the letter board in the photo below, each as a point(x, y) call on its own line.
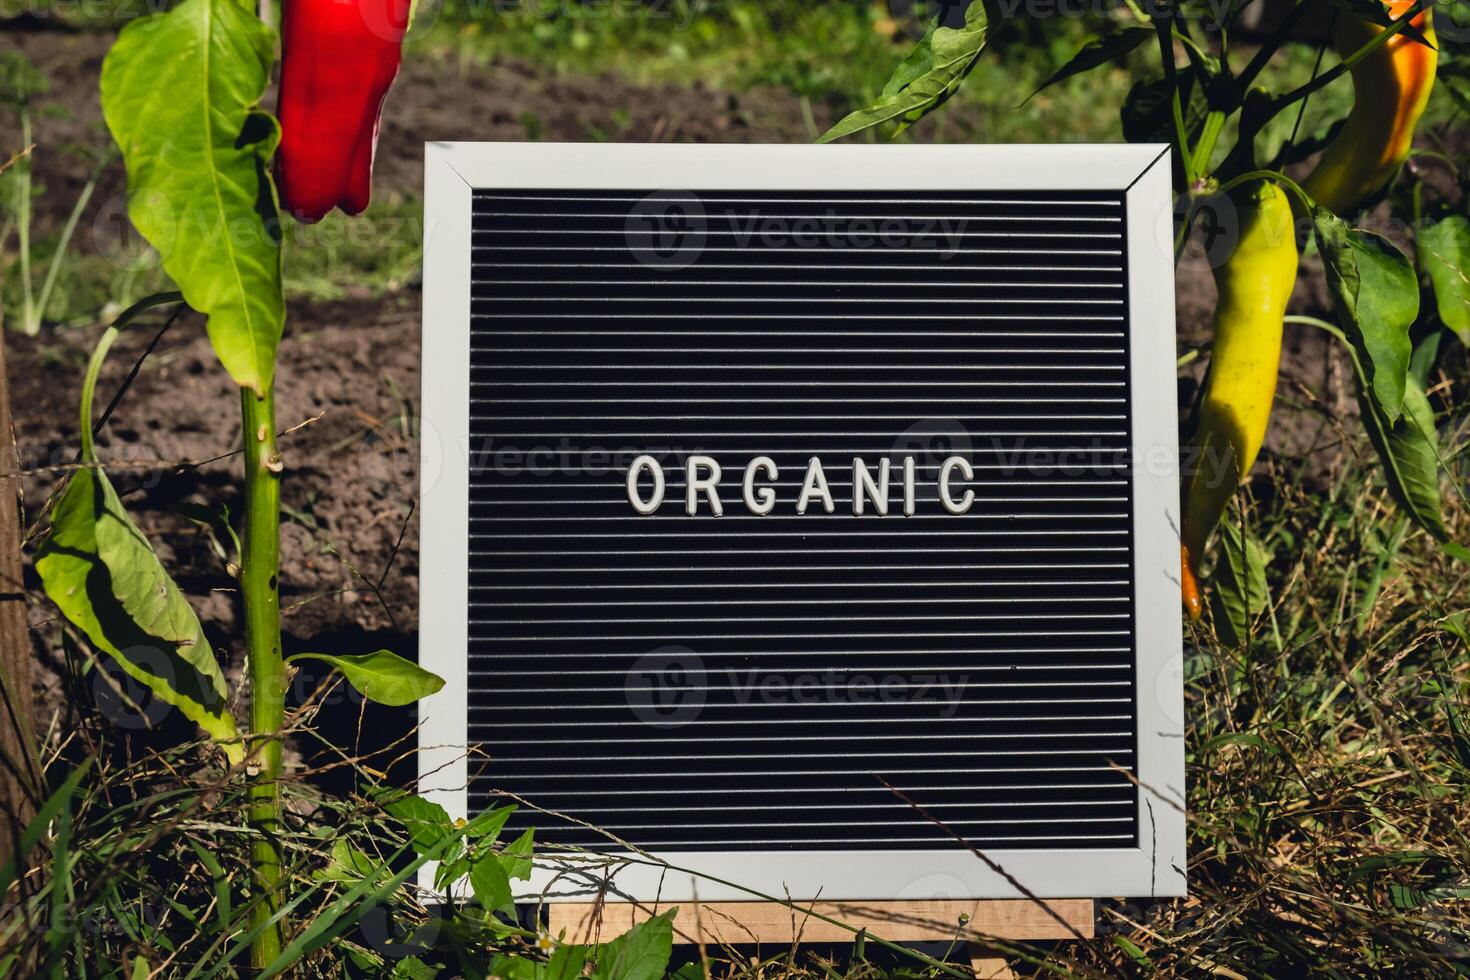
point(761, 479)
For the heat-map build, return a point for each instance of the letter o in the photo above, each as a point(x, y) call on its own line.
point(639, 465)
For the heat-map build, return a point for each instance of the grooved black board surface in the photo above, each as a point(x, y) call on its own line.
point(740, 682)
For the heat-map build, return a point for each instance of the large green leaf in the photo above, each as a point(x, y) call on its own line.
point(641, 953)
point(1096, 52)
point(1239, 583)
point(104, 577)
point(180, 93)
point(925, 79)
point(1444, 251)
point(382, 676)
point(1377, 298)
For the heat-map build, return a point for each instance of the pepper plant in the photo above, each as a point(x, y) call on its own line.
point(181, 93)
point(1208, 102)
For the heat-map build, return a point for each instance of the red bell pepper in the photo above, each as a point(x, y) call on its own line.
point(339, 58)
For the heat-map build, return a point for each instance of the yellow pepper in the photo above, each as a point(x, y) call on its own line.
point(1254, 284)
point(1391, 87)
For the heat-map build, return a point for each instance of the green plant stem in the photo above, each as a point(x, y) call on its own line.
point(1346, 65)
point(259, 569)
point(1209, 136)
point(28, 324)
point(1164, 27)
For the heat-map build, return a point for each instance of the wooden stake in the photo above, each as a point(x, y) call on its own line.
point(20, 777)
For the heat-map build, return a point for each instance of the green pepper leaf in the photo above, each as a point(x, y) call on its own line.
point(1148, 111)
point(1409, 449)
point(180, 94)
point(1444, 252)
point(99, 569)
point(381, 676)
point(925, 79)
point(1239, 595)
point(915, 64)
point(1377, 298)
point(1096, 52)
point(103, 576)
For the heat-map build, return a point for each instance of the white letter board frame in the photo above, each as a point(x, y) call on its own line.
point(1141, 173)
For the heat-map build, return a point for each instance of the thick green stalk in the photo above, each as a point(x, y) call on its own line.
point(259, 567)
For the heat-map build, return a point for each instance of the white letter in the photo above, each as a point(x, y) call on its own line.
point(815, 485)
point(950, 465)
point(694, 484)
point(767, 495)
point(863, 486)
point(651, 464)
point(908, 486)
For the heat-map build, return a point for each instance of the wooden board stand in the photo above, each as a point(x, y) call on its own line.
point(735, 923)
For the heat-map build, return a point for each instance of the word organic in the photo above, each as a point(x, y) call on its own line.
point(702, 476)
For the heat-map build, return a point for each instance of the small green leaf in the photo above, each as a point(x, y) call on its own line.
point(347, 863)
point(381, 676)
point(1148, 110)
point(427, 823)
point(412, 968)
point(141, 969)
point(1131, 948)
point(180, 94)
point(1096, 52)
point(1444, 252)
point(485, 828)
point(945, 55)
point(566, 963)
point(1239, 595)
point(641, 953)
point(1377, 298)
point(516, 858)
point(482, 832)
point(514, 968)
point(490, 883)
